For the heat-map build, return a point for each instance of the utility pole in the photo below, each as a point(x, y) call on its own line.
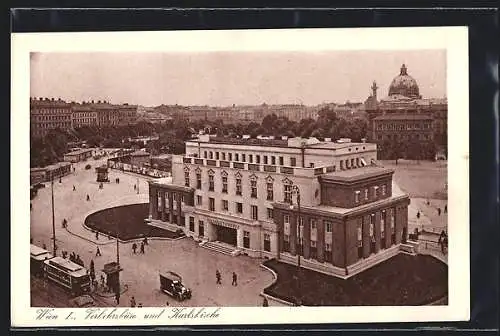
point(53, 215)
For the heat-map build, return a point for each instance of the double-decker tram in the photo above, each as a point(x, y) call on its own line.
point(37, 256)
point(67, 274)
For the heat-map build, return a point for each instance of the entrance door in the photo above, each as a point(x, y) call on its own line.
point(226, 235)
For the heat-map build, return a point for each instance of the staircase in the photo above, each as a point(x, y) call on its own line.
point(220, 247)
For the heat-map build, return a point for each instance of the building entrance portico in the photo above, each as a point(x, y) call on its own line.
point(226, 235)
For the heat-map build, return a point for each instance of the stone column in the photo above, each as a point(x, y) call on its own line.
point(306, 238)
point(293, 234)
point(320, 240)
point(239, 237)
point(171, 206)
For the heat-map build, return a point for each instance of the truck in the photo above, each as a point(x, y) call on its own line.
point(171, 284)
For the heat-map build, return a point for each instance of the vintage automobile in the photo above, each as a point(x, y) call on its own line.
point(171, 283)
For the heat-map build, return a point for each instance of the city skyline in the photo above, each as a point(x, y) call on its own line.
point(227, 78)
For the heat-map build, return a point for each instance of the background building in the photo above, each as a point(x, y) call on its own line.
point(404, 124)
point(48, 114)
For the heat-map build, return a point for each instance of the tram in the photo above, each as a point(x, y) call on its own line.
point(37, 256)
point(67, 274)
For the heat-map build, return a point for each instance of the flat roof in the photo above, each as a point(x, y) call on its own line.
point(80, 151)
point(356, 173)
point(337, 145)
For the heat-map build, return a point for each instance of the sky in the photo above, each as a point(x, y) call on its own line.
point(226, 78)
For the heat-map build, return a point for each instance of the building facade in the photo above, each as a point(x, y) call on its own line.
point(78, 155)
point(245, 197)
point(417, 125)
point(48, 114)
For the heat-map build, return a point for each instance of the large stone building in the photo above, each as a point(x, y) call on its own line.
point(418, 126)
point(48, 114)
point(241, 196)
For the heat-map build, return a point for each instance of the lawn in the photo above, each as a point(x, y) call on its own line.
point(424, 179)
point(401, 280)
point(131, 222)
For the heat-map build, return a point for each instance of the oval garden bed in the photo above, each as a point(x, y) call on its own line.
point(128, 220)
point(402, 280)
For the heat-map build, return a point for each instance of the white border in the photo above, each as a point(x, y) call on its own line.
point(453, 39)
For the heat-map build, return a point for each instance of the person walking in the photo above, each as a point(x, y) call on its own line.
point(145, 240)
point(446, 208)
point(439, 211)
point(97, 235)
point(74, 188)
point(117, 297)
point(142, 248)
point(134, 248)
point(218, 277)
point(132, 302)
point(235, 280)
point(418, 214)
point(88, 197)
point(265, 303)
point(98, 253)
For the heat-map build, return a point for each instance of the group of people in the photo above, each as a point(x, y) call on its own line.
point(141, 248)
point(218, 278)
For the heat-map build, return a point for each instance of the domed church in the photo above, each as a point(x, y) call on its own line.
point(405, 125)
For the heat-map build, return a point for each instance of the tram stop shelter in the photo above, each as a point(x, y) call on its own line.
point(102, 174)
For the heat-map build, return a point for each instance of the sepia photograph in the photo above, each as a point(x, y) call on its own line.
point(194, 180)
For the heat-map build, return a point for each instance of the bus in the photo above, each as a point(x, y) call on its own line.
point(38, 256)
point(67, 274)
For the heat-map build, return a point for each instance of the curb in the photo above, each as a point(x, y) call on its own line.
point(268, 296)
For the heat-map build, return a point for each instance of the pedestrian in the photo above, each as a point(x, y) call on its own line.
point(418, 214)
point(428, 203)
point(446, 208)
point(218, 277)
point(235, 280)
point(134, 248)
point(168, 303)
point(132, 302)
point(60, 181)
point(265, 303)
point(439, 211)
point(117, 297)
point(145, 240)
point(97, 235)
point(98, 253)
point(74, 188)
point(142, 248)
point(135, 187)
point(88, 197)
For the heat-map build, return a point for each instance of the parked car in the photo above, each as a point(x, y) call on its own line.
point(171, 283)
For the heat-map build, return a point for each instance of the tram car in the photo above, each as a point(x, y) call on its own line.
point(67, 274)
point(37, 256)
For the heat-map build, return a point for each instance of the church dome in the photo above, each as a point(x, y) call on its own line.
point(404, 85)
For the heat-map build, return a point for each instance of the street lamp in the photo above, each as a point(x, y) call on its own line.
point(296, 191)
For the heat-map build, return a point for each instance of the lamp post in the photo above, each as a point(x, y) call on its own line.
point(296, 191)
point(54, 248)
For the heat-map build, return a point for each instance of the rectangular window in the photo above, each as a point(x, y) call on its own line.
point(255, 212)
point(273, 160)
point(224, 156)
point(224, 184)
point(366, 194)
point(286, 219)
point(375, 192)
point(239, 207)
point(281, 161)
point(328, 226)
point(211, 203)
point(217, 155)
point(211, 183)
point(265, 159)
point(250, 158)
point(257, 158)
point(356, 196)
point(236, 157)
point(312, 221)
point(253, 186)
point(205, 154)
point(288, 193)
point(225, 205)
point(199, 200)
point(270, 213)
point(201, 229)
point(198, 180)
point(328, 252)
point(383, 190)
point(191, 224)
point(313, 254)
point(230, 156)
point(246, 239)
point(270, 192)
point(267, 242)
point(238, 187)
point(186, 179)
point(211, 155)
point(286, 243)
point(243, 157)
